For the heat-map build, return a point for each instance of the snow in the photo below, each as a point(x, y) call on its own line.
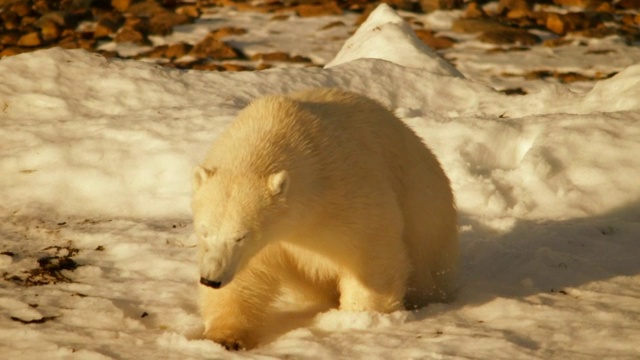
point(386, 36)
point(95, 155)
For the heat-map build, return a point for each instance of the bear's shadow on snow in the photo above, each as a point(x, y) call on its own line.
point(545, 257)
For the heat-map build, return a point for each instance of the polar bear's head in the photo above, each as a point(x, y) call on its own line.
point(235, 215)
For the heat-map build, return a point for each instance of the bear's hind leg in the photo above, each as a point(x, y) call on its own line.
point(378, 281)
point(358, 296)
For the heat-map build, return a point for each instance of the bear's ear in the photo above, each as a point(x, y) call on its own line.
point(200, 174)
point(279, 183)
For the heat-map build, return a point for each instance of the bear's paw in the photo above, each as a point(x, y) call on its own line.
point(232, 341)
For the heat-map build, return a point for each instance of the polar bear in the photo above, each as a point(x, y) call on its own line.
point(329, 195)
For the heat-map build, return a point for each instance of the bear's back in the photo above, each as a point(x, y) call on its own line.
point(324, 129)
point(372, 132)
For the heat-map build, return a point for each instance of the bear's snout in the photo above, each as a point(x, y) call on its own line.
point(209, 283)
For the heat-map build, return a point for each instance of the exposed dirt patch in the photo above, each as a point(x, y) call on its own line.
point(52, 267)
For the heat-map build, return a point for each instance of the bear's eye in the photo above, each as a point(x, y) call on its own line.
point(241, 238)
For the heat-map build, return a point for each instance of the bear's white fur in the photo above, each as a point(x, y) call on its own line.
point(327, 193)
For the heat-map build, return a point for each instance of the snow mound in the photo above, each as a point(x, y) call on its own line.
point(386, 36)
point(620, 93)
point(95, 136)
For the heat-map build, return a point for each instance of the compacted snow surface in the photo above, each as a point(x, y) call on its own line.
point(95, 159)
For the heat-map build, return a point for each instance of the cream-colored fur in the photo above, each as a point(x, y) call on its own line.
point(327, 193)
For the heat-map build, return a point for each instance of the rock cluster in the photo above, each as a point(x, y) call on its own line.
point(26, 25)
point(511, 23)
point(31, 24)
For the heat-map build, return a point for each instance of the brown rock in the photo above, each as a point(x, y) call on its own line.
point(108, 54)
point(66, 39)
point(191, 11)
point(41, 7)
point(433, 41)
point(506, 5)
point(518, 14)
point(508, 37)
point(9, 37)
point(207, 67)
point(87, 44)
point(145, 9)
point(27, 21)
point(211, 47)
point(227, 31)
point(61, 18)
point(10, 20)
point(309, 10)
point(27, 29)
point(432, 5)
point(628, 19)
point(20, 8)
point(263, 66)
point(537, 74)
point(155, 53)
point(273, 56)
point(407, 5)
point(599, 52)
point(50, 31)
point(564, 23)
point(556, 24)
point(178, 50)
point(129, 35)
point(556, 42)
point(235, 67)
point(299, 59)
point(279, 17)
point(105, 28)
point(280, 56)
point(471, 26)
point(121, 5)
point(571, 77)
point(514, 91)
point(600, 32)
point(68, 33)
point(474, 11)
point(605, 7)
point(580, 3)
point(585, 4)
point(628, 4)
point(332, 25)
point(137, 23)
point(31, 39)
point(10, 51)
point(68, 44)
point(163, 23)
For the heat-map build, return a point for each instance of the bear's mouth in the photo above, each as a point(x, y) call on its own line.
point(210, 283)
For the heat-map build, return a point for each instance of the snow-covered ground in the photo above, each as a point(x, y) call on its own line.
point(95, 159)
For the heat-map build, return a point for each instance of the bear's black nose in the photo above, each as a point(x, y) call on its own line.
point(209, 283)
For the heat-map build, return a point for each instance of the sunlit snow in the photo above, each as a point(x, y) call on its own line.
point(95, 155)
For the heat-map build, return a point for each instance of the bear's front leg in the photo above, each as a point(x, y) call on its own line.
point(234, 313)
point(225, 319)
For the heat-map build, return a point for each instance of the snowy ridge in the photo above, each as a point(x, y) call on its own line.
point(121, 137)
point(96, 154)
